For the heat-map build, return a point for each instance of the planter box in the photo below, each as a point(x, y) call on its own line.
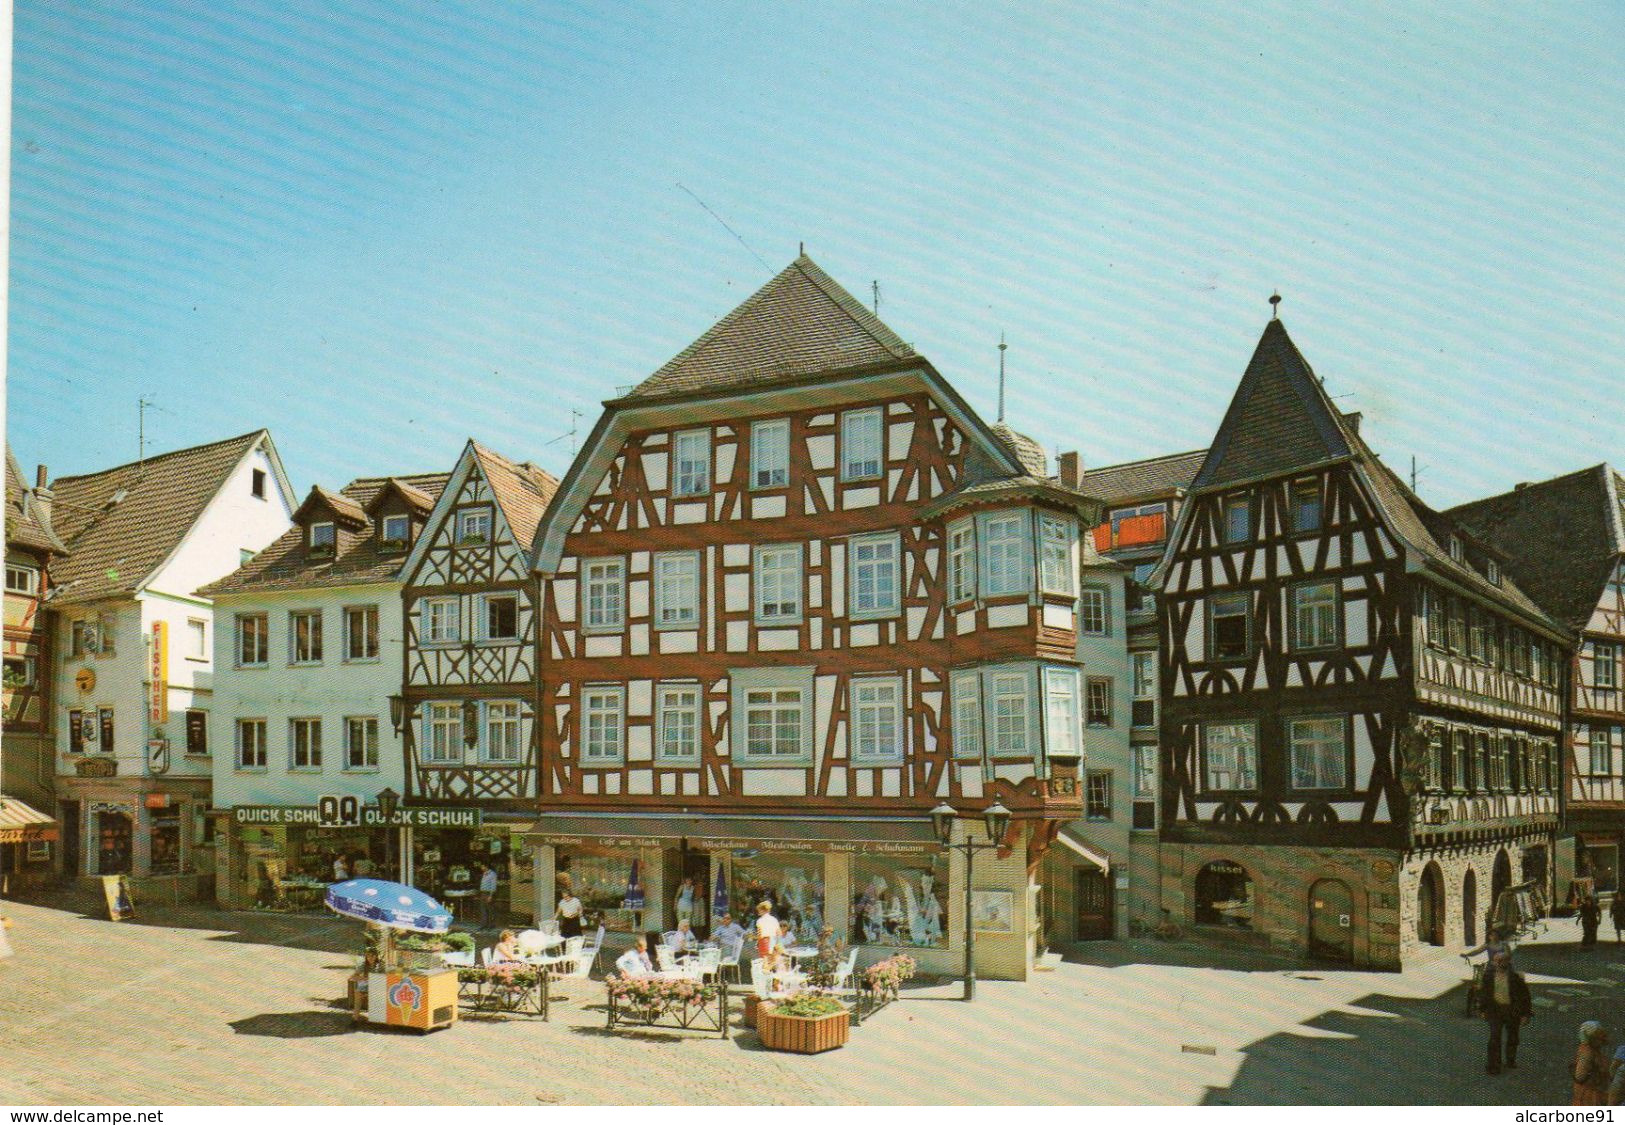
point(748, 1019)
point(803, 1035)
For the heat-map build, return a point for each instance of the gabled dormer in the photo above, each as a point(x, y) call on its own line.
point(398, 512)
point(332, 523)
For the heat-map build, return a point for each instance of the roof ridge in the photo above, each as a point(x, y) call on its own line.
point(142, 461)
point(1144, 461)
point(862, 317)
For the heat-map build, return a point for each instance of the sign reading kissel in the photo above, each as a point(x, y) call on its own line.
point(370, 817)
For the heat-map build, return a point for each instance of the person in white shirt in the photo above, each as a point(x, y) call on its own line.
point(569, 914)
point(686, 941)
point(767, 929)
point(635, 961)
point(341, 870)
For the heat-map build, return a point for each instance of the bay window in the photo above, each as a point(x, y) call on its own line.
point(967, 702)
point(1063, 738)
point(1006, 560)
point(962, 561)
point(1056, 538)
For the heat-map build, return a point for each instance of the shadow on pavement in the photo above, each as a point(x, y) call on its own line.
point(1240, 958)
point(1392, 1050)
point(295, 1025)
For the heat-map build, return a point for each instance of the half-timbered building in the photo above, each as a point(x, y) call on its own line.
point(1360, 707)
point(1564, 542)
point(797, 593)
point(469, 676)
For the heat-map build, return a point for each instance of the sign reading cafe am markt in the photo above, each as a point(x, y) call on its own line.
point(370, 817)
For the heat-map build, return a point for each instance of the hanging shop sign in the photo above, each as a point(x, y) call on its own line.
point(159, 672)
point(370, 817)
point(158, 754)
point(85, 679)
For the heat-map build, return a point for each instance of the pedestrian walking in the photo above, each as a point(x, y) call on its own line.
point(1590, 918)
point(1507, 1008)
point(1616, 911)
point(1590, 1070)
point(767, 929)
point(488, 893)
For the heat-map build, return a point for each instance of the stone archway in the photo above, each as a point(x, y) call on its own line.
point(1430, 906)
point(1469, 907)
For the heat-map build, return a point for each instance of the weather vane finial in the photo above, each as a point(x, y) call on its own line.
point(1275, 305)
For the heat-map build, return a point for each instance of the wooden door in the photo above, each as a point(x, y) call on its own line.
point(1331, 921)
point(1094, 904)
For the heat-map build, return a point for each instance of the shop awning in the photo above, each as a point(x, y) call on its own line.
point(20, 823)
point(858, 834)
point(1085, 849)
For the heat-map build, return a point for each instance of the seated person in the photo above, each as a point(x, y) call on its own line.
point(787, 935)
point(506, 951)
point(729, 933)
point(635, 961)
point(687, 942)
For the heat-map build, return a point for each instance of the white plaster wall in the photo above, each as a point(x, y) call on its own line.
point(234, 521)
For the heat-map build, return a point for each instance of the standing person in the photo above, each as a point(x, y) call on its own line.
point(767, 930)
point(683, 904)
point(569, 914)
point(1590, 918)
point(1507, 1008)
point(341, 869)
point(1616, 911)
point(1590, 1071)
point(488, 893)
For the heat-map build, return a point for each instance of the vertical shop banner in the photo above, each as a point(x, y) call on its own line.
point(159, 672)
point(120, 903)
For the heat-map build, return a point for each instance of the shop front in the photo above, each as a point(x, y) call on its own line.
point(882, 885)
point(153, 829)
point(27, 837)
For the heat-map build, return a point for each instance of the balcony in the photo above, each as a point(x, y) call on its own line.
point(1132, 531)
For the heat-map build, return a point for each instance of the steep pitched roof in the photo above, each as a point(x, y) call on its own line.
point(1026, 450)
point(1152, 477)
point(24, 528)
point(799, 323)
point(522, 491)
point(122, 523)
point(346, 510)
point(1562, 537)
point(418, 499)
point(1279, 420)
point(286, 565)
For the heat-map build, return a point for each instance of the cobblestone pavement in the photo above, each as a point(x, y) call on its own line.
point(193, 1006)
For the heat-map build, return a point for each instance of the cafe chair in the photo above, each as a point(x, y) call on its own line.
point(666, 958)
point(708, 962)
point(728, 959)
point(669, 938)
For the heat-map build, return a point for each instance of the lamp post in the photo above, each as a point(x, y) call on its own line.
point(397, 712)
point(389, 803)
point(996, 819)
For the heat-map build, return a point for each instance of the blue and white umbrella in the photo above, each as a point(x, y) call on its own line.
point(388, 904)
point(719, 899)
point(633, 899)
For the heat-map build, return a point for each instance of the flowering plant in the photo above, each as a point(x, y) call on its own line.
point(889, 975)
point(509, 976)
point(657, 992)
point(808, 1005)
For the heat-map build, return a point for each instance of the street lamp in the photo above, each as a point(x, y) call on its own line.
point(397, 711)
point(996, 819)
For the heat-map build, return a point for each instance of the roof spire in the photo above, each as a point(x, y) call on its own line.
point(1002, 346)
point(1275, 305)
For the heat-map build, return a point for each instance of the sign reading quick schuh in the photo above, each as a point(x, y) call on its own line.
point(370, 817)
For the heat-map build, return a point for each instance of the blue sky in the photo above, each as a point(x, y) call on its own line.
point(379, 229)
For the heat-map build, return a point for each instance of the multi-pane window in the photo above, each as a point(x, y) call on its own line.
point(677, 589)
point(305, 636)
point(1458, 625)
point(1145, 771)
point(1005, 553)
point(500, 619)
point(1098, 709)
point(603, 725)
point(773, 723)
point(1602, 753)
point(1055, 539)
point(197, 638)
point(1229, 635)
point(361, 742)
point(873, 576)
point(1319, 752)
point(305, 744)
point(1314, 615)
point(502, 727)
point(474, 525)
point(1097, 792)
point(250, 744)
point(1095, 611)
point(395, 531)
point(606, 593)
point(1238, 519)
point(361, 632)
point(197, 732)
point(1306, 504)
point(1010, 716)
point(1475, 632)
point(1230, 756)
point(691, 457)
point(22, 579)
point(1486, 763)
point(778, 584)
point(1492, 571)
point(442, 621)
point(322, 538)
point(444, 739)
point(253, 639)
point(1144, 671)
point(962, 561)
point(877, 719)
point(1604, 664)
point(861, 444)
point(967, 691)
point(770, 454)
point(1061, 712)
point(1434, 615)
point(1462, 762)
point(678, 719)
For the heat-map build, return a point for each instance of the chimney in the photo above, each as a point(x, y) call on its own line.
point(41, 477)
point(41, 496)
point(1070, 470)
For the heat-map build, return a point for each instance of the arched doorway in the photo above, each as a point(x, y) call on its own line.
point(1469, 908)
point(1430, 906)
point(1501, 878)
point(1331, 920)
point(1224, 895)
